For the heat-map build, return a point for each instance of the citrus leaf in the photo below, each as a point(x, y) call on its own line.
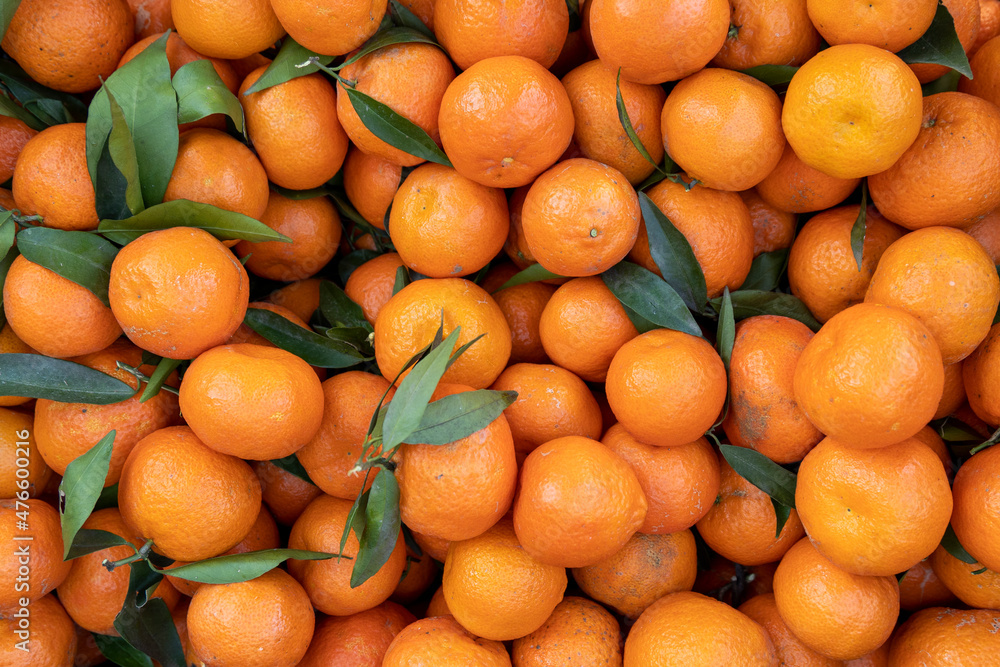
point(781, 514)
point(461, 350)
point(356, 517)
point(118, 651)
point(532, 274)
point(150, 628)
point(946, 83)
point(121, 149)
point(8, 229)
point(404, 17)
point(314, 349)
point(669, 168)
point(285, 66)
point(381, 528)
point(338, 309)
point(939, 45)
point(11, 109)
point(772, 75)
point(645, 293)
point(575, 20)
point(394, 129)
point(954, 547)
point(402, 279)
point(673, 255)
point(747, 303)
point(953, 430)
point(38, 376)
point(88, 541)
point(460, 415)
point(291, 464)
point(51, 107)
point(299, 195)
point(164, 368)
point(224, 225)
point(626, 122)
point(236, 568)
point(727, 328)
point(201, 93)
point(7, 9)
point(766, 271)
point(384, 38)
point(110, 201)
point(81, 486)
point(762, 472)
point(80, 257)
point(641, 324)
point(860, 227)
point(353, 260)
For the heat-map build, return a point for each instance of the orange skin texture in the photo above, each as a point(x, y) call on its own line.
point(891, 25)
point(152, 17)
point(666, 387)
point(979, 373)
point(411, 79)
point(442, 642)
point(598, 132)
point(295, 130)
point(180, 54)
point(688, 628)
point(14, 447)
point(522, 307)
point(580, 218)
point(773, 229)
point(53, 639)
point(359, 640)
point(954, 390)
point(420, 573)
point(822, 270)
point(48, 569)
point(349, 400)
point(213, 168)
point(763, 414)
point(852, 110)
point(494, 587)
point(172, 469)
point(838, 614)
point(285, 494)
point(947, 637)
point(896, 394)
point(976, 516)
point(444, 225)
point(504, 121)
point(981, 590)
point(989, 25)
point(370, 183)
point(371, 284)
point(35, 297)
point(459, 490)
point(657, 43)
point(987, 232)
point(51, 179)
point(959, 142)
point(435, 547)
point(10, 343)
point(921, 587)
point(578, 502)
point(408, 322)
point(65, 431)
point(226, 28)
point(516, 247)
point(716, 224)
point(437, 606)
point(796, 187)
point(770, 32)
point(741, 524)
point(328, 582)
point(789, 649)
point(266, 621)
point(14, 135)
point(314, 227)
point(644, 570)
point(301, 297)
point(723, 128)
point(331, 30)
point(69, 45)
point(928, 436)
point(966, 16)
point(577, 627)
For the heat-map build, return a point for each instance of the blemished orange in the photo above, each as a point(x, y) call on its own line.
point(522, 306)
point(69, 45)
point(408, 322)
point(52, 639)
point(330, 29)
point(284, 494)
point(359, 640)
point(920, 588)
point(598, 132)
point(263, 622)
point(11, 344)
point(48, 569)
point(966, 16)
point(328, 582)
point(974, 587)
point(987, 232)
point(51, 179)
point(171, 469)
point(444, 225)
point(641, 572)
point(295, 130)
point(578, 502)
point(788, 648)
point(796, 187)
point(177, 292)
point(497, 590)
point(577, 627)
point(657, 43)
point(231, 29)
point(152, 17)
point(505, 120)
point(666, 387)
point(688, 628)
point(349, 400)
point(976, 513)
point(300, 297)
point(35, 298)
point(852, 110)
point(716, 119)
point(838, 614)
point(979, 373)
point(370, 183)
point(895, 394)
point(442, 641)
point(180, 54)
point(763, 414)
point(946, 636)
point(768, 32)
point(989, 25)
point(959, 142)
point(580, 218)
point(773, 228)
point(371, 284)
point(891, 25)
point(822, 270)
point(18, 445)
point(14, 134)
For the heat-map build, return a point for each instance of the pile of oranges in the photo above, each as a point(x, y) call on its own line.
point(496, 332)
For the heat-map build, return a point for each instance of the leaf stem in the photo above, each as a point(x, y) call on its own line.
point(142, 377)
point(141, 554)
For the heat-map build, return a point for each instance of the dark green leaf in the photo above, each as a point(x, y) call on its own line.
point(384, 38)
point(108, 498)
point(645, 293)
point(150, 629)
point(338, 309)
point(8, 230)
point(285, 66)
point(781, 513)
point(356, 517)
point(241, 567)
point(299, 195)
point(51, 107)
point(394, 129)
point(404, 17)
point(939, 45)
point(381, 528)
point(727, 328)
point(747, 303)
point(348, 211)
point(947, 83)
point(954, 547)
point(353, 260)
point(772, 75)
point(38, 376)
point(112, 185)
point(11, 109)
point(81, 487)
point(989, 442)
point(762, 472)
point(860, 227)
point(201, 93)
point(163, 370)
point(766, 271)
point(316, 350)
point(460, 415)
point(7, 9)
point(575, 21)
point(673, 256)
point(122, 152)
point(402, 280)
point(532, 274)
point(118, 651)
point(626, 122)
point(290, 464)
point(461, 350)
point(80, 257)
point(224, 225)
point(88, 541)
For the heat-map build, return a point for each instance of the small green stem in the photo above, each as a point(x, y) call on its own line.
point(142, 377)
point(141, 554)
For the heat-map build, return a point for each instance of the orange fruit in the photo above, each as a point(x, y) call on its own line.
point(895, 394)
point(151, 17)
point(171, 469)
point(576, 628)
point(598, 131)
point(977, 514)
point(371, 284)
point(966, 16)
point(890, 25)
point(796, 187)
point(180, 54)
point(295, 130)
point(644, 570)
point(767, 32)
point(14, 135)
point(987, 232)
point(953, 395)
point(435, 547)
point(50, 642)
point(443, 642)
point(979, 372)
point(437, 606)
point(444, 225)
point(45, 552)
point(690, 629)
point(928, 436)
point(946, 636)
point(716, 118)
point(657, 43)
point(790, 651)
point(226, 28)
point(10, 343)
point(359, 640)
point(721, 580)
point(989, 25)
point(370, 183)
point(522, 306)
point(330, 29)
point(920, 588)
point(243, 66)
point(408, 322)
point(578, 502)
point(666, 387)
point(285, 494)
point(973, 586)
point(420, 573)
point(18, 451)
point(516, 247)
point(504, 121)
point(300, 297)
point(773, 229)
point(852, 110)
point(838, 614)
point(35, 299)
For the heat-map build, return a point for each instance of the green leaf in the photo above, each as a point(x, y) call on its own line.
point(460, 415)
point(314, 349)
point(781, 513)
point(762, 472)
point(381, 528)
point(946, 83)
point(51, 107)
point(626, 122)
point(404, 17)
point(575, 20)
point(80, 257)
point(727, 328)
point(402, 279)
point(201, 93)
point(394, 129)
point(122, 152)
point(88, 541)
point(772, 75)
point(747, 303)
point(532, 274)
point(989, 442)
point(11, 109)
point(81, 487)
point(163, 370)
point(766, 271)
point(285, 66)
point(338, 309)
point(7, 9)
point(118, 651)
point(290, 464)
point(674, 256)
point(224, 225)
point(939, 45)
point(150, 629)
point(38, 376)
point(860, 227)
point(384, 38)
point(8, 230)
point(645, 293)
point(241, 567)
point(954, 547)
point(111, 202)
point(108, 498)
point(356, 517)
point(953, 430)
